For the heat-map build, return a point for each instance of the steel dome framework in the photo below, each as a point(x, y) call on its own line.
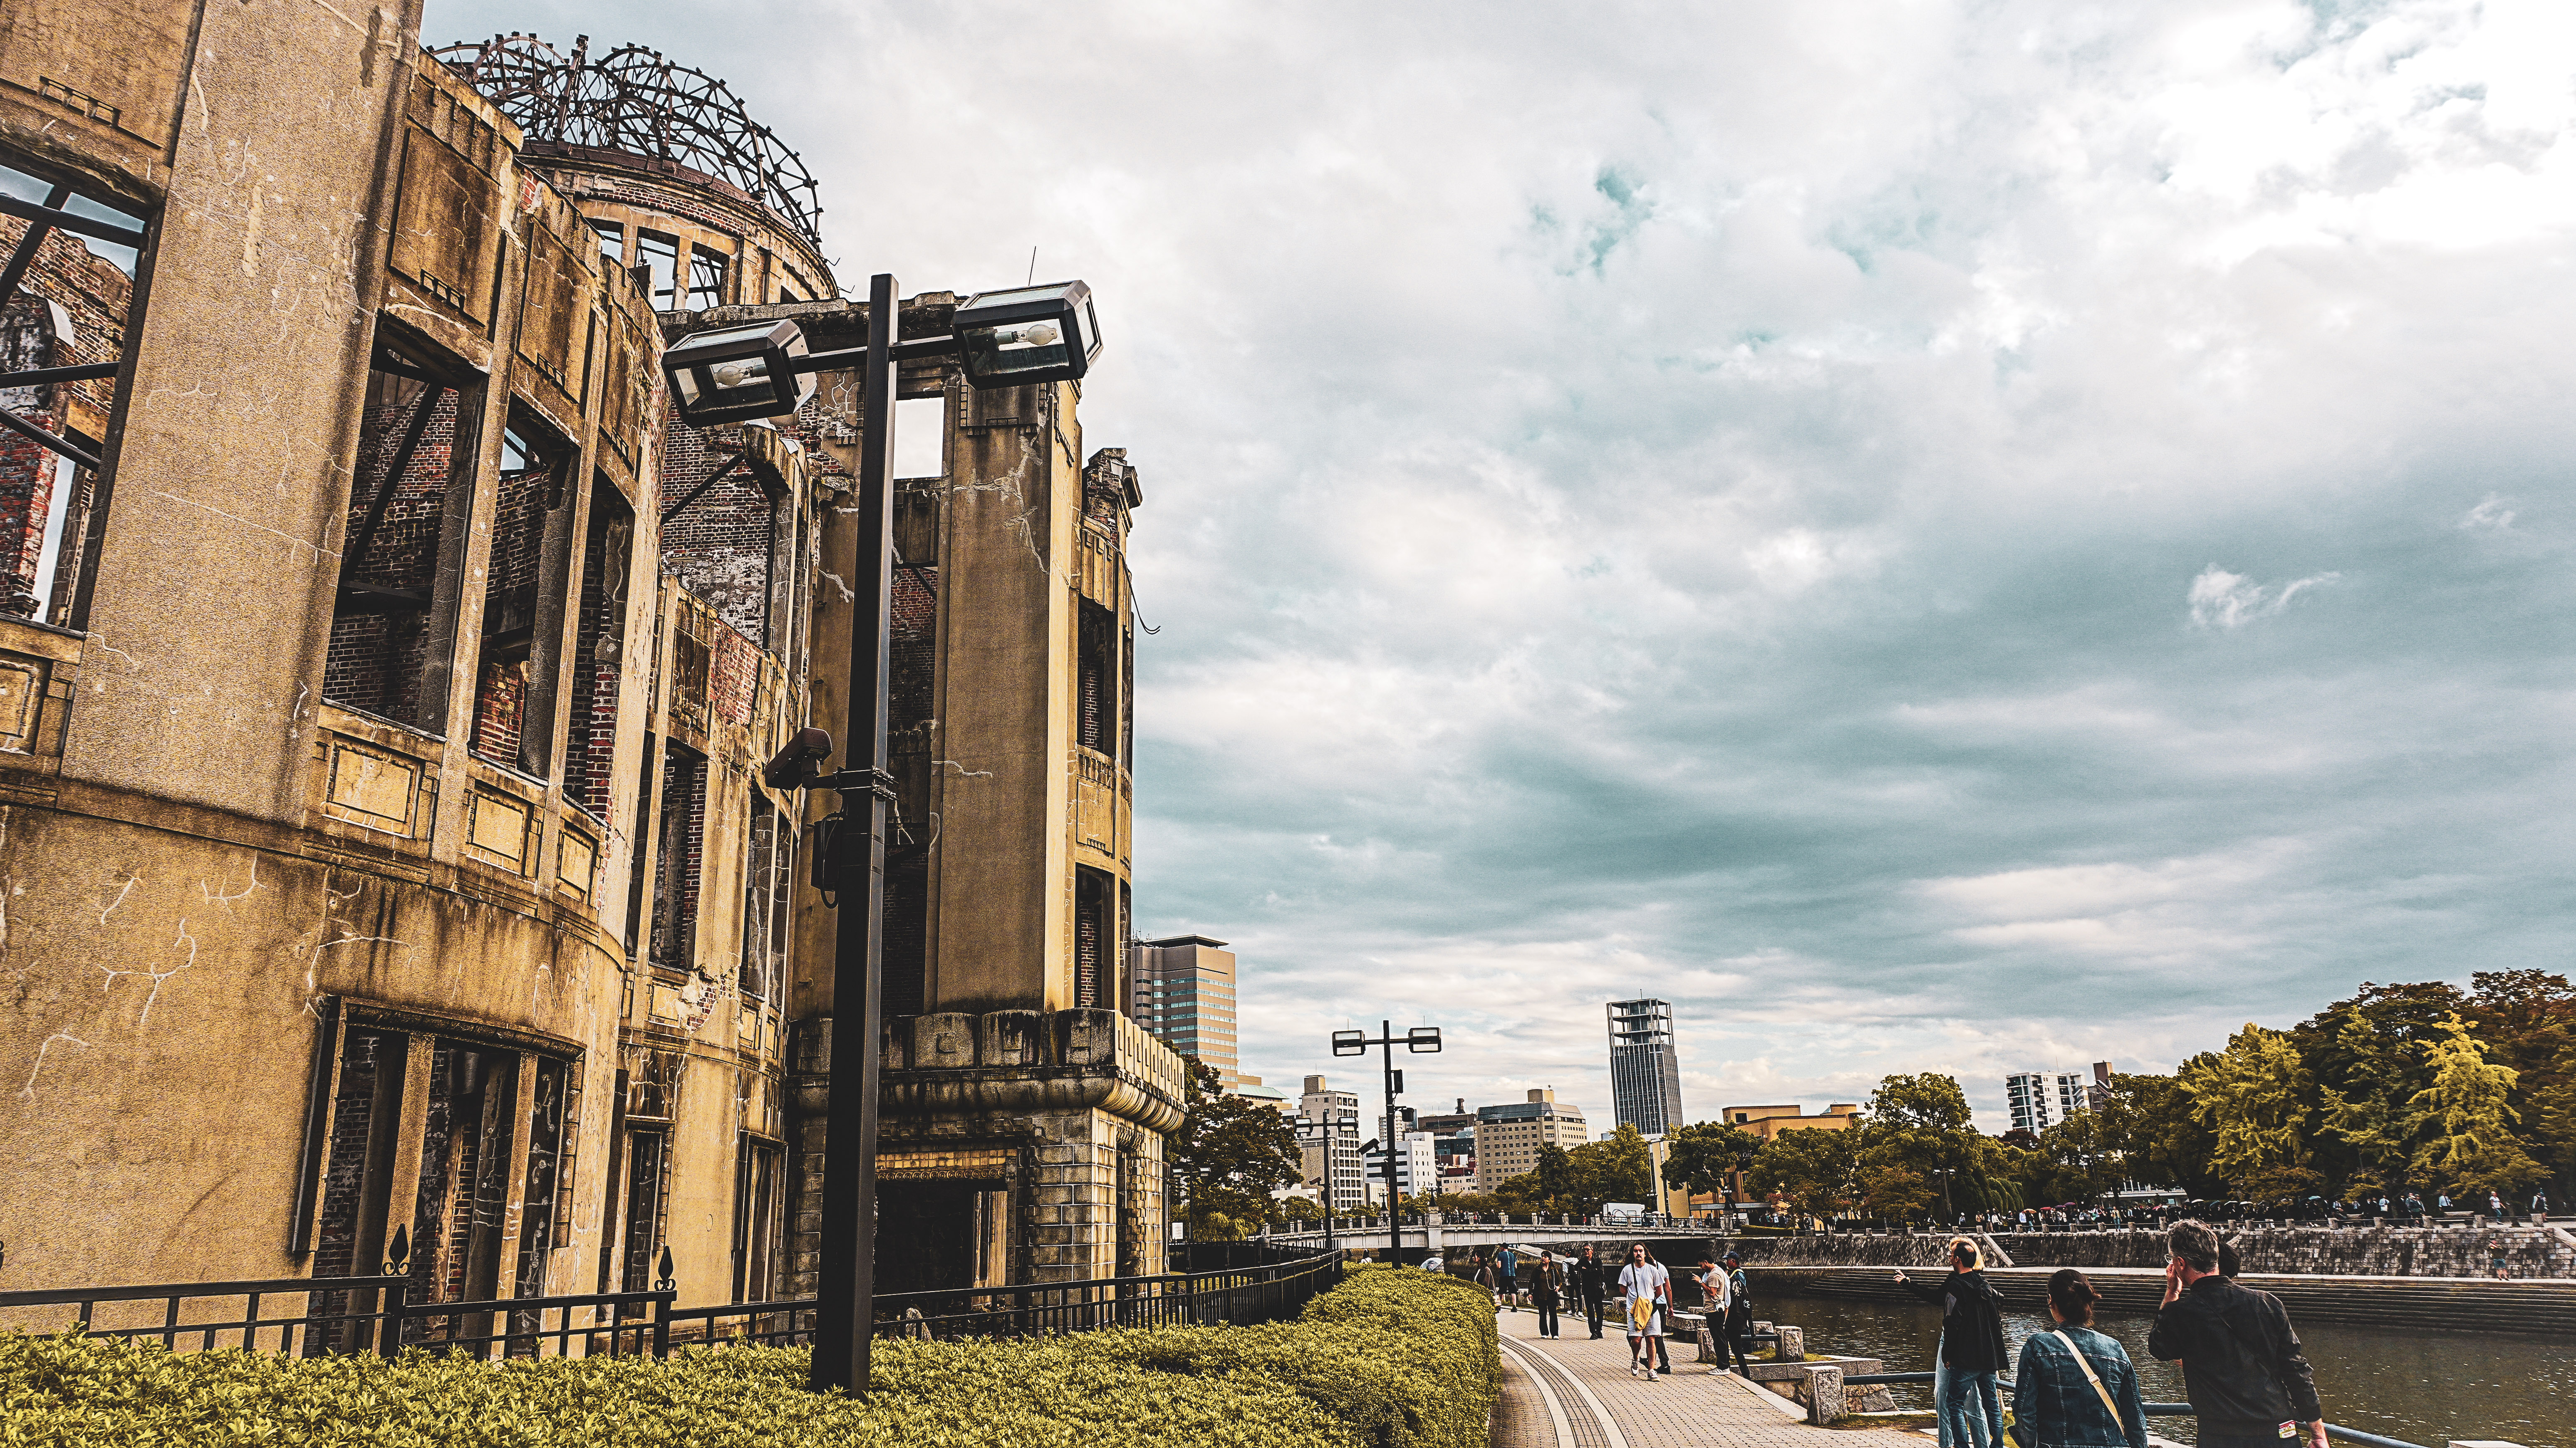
point(634, 100)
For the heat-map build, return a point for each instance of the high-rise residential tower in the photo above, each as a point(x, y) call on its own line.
point(2041, 1099)
point(1645, 1079)
point(1183, 994)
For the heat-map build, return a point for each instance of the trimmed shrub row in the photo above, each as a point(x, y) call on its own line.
point(1390, 1359)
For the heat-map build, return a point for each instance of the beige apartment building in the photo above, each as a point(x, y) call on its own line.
point(385, 684)
point(1508, 1137)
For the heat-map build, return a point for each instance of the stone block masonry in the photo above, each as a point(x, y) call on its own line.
point(1055, 1119)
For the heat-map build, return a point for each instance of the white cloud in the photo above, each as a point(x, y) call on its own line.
point(2490, 514)
point(2224, 600)
point(1686, 499)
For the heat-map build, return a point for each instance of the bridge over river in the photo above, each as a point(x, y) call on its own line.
point(1361, 1234)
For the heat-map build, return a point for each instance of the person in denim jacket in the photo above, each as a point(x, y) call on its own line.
point(2054, 1404)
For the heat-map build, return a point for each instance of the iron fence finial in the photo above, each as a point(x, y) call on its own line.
point(399, 1253)
point(666, 1283)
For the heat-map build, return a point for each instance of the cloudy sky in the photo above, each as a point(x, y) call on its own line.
point(1935, 536)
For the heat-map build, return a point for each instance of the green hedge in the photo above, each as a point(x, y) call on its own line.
point(1391, 1359)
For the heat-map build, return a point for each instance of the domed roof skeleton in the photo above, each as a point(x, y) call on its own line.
point(633, 100)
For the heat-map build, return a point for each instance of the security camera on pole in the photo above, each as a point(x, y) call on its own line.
point(1356, 1043)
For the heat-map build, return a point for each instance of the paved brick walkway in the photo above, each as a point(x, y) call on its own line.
point(1588, 1382)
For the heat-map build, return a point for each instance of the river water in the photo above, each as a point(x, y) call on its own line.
point(2432, 1388)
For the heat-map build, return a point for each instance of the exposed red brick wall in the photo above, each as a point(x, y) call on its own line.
point(510, 603)
point(93, 295)
point(376, 659)
point(590, 746)
point(720, 546)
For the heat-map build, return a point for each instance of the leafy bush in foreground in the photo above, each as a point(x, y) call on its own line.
point(1388, 1360)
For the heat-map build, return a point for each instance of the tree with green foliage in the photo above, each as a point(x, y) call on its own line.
point(2365, 1060)
point(1705, 1155)
point(2377, 1121)
point(1816, 1169)
point(2527, 1018)
point(1229, 1155)
point(1616, 1170)
point(2250, 1097)
point(2470, 1145)
point(2146, 1123)
point(1894, 1193)
point(1921, 1123)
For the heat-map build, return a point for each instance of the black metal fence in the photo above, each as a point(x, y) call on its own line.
point(320, 1316)
point(1242, 1294)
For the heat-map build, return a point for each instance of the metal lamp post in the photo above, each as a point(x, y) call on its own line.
point(1356, 1043)
point(1002, 339)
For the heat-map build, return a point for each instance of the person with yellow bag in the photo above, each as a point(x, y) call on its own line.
point(1646, 1300)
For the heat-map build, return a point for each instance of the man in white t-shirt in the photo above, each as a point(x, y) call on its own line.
point(1646, 1300)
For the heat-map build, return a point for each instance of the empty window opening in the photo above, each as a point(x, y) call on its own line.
point(680, 843)
point(1096, 680)
point(660, 255)
point(646, 775)
point(911, 739)
point(461, 1207)
point(647, 1163)
point(755, 1219)
point(938, 1232)
point(552, 1132)
point(722, 538)
point(707, 272)
point(768, 869)
point(612, 240)
point(357, 1183)
point(522, 619)
point(399, 553)
point(652, 1104)
point(921, 437)
point(599, 651)
point(1095, 939)
point(65, 302)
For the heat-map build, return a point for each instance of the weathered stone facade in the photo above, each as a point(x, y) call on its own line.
point(380, 825)
point(1014, 1146)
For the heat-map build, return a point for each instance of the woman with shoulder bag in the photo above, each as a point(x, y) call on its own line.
point(2075, 1387)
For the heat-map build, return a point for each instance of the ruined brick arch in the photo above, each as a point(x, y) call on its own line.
point(636, 101)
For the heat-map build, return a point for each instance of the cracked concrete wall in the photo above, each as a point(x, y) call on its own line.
point(235, 440)
point(162, 990)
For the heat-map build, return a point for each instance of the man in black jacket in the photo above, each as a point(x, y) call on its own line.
point(1593, 1287)
point(1972, 1349)
point(2249, 1383)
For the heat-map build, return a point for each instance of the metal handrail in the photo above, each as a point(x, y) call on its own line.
point(2153, 1410)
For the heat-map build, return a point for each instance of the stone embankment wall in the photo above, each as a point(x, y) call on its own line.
point(2302, 1251)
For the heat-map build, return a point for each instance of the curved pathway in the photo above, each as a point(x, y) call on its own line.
point(1572, 1392)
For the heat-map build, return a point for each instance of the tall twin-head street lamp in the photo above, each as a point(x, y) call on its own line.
point(1356, 1043)
point(738, 374)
